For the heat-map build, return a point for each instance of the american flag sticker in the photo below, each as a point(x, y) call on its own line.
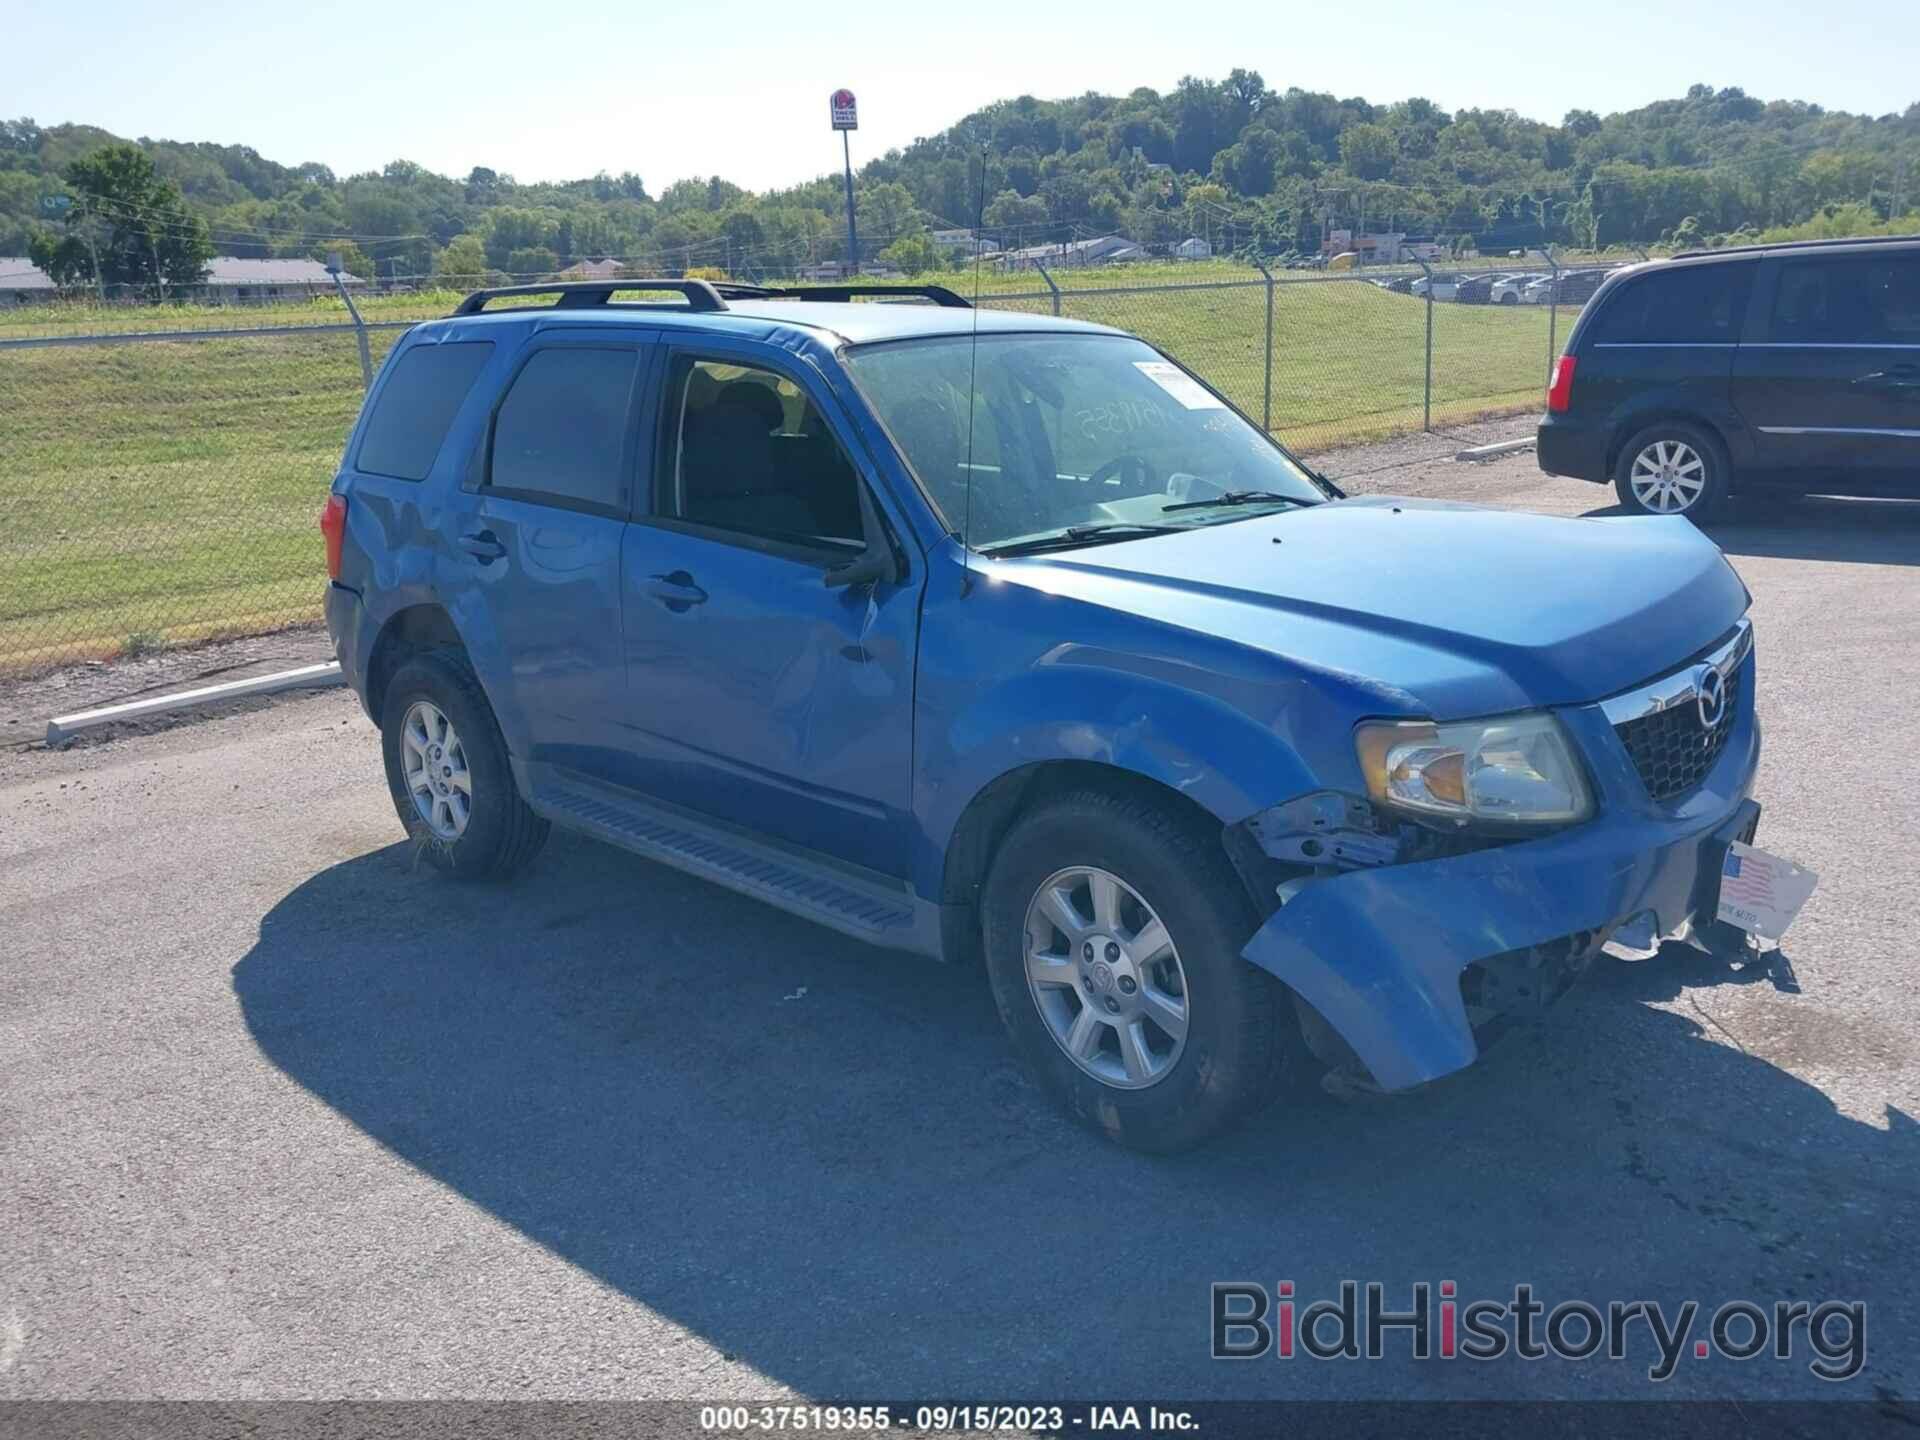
point(1761, 893)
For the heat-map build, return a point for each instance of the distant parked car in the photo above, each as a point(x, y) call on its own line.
point(1783, 368)
point(1443, 286)
point(1569, 287)
point(1403, 285)
point(1508, 289)
point(1474, 289)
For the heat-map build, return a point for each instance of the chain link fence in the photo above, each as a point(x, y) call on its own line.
point(161, 467)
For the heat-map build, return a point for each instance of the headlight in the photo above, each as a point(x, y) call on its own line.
point(1516, 770)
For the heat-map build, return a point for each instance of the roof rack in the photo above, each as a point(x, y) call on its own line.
point(1799, 245)
point(938, 294)
point(591, 294)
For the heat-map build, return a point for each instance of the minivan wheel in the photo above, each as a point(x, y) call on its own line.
point(1671, 469)
point(1113, 932)
point(448, 773)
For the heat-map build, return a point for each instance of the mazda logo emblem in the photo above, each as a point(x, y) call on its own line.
point(1710, 694)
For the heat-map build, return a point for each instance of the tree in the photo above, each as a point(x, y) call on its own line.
point(1011, 211)
point(134, 224)
point(911, 255)
point(1368, 151)
point(463, 262)
point(886, 212)
point(517, 229)
point(532, 261)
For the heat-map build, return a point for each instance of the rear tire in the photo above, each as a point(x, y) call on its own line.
point(1238, 1041)
point(1672, 468)
point(448, 773)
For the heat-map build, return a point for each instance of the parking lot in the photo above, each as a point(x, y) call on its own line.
point(282, 1115)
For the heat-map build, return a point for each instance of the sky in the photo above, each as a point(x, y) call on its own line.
point(741, 90)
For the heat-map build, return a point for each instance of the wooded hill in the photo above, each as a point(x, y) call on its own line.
point(1245, 166)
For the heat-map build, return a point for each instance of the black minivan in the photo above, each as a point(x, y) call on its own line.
point(1760, 369)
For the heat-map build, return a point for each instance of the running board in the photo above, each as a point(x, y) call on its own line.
point(877, 912)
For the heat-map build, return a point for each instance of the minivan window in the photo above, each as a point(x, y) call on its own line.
point(562, 431)
point(1684, 305)
point(416, 405)
point(1858, 300)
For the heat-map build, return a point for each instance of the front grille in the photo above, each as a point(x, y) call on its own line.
point(1672, 750)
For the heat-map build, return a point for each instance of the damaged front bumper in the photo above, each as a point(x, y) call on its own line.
point(1382, 953)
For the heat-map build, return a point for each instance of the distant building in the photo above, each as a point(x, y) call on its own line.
point(1193, 248)
point(594, 270)
point(1101, 250)
point(1382, 247)
point(228, 278)
point(22, 282)
point(958, 242)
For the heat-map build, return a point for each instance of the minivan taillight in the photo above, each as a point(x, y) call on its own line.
point(333, 525)
point(1560, 392)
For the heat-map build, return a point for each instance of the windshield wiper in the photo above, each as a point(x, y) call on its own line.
point(1236, 497)
point(1074, 535)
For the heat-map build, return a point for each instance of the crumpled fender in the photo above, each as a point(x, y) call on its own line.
point(1363, 954)
point(1379, 952)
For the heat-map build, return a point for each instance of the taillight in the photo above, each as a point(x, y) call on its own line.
point(1560, 392)
point(333, 525)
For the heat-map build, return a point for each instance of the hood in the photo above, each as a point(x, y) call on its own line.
point(1469, 611)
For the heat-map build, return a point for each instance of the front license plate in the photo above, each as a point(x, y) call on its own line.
point(1761, 893)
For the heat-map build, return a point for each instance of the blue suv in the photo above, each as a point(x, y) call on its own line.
point(1006, 639)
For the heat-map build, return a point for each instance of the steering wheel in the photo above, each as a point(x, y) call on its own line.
point(1142, 474)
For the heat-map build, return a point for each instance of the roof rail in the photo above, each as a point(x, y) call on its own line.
point(590, 294)
point(1800, 245)
point(938, 294)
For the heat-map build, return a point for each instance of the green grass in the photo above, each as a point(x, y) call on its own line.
point(158, 493)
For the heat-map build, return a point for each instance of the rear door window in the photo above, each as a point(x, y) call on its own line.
point(416, 404)
point(565, 432)
point(1850, 300)
point(1685, 305)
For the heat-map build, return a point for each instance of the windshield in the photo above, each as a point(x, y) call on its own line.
point(1070, 432)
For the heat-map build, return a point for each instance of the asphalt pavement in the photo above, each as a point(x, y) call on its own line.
point(284, 1115)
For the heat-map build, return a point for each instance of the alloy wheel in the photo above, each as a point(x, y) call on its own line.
point(435, 765)
point(1668, 477)
point(1106, 978)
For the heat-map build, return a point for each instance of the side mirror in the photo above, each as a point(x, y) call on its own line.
point(874, 567)
point(877, 564)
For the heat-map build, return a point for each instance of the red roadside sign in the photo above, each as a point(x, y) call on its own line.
point(845, 115)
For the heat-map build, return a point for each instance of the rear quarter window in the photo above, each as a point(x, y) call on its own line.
point(415, 406)
point(1687, 305)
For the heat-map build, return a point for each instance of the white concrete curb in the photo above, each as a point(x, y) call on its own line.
point(63, 728)
point(1487, 452)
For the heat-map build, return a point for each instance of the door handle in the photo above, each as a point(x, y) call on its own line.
point(676, 591)
point(483, 545)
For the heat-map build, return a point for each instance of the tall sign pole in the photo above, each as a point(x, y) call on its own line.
point(846, 117)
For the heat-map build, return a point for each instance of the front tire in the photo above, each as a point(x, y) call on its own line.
point(448, 772)
point(1113, 933)
point(1672, 468)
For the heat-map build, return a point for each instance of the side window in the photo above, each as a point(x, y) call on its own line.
point(1686, 305)
point(416, 405)
point(563, 429)
point(749, 453)
point(1852, 300)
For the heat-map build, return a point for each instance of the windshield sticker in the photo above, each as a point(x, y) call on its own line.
point(1180, 385)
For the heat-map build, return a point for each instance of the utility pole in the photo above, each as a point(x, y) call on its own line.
point(846, 119)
